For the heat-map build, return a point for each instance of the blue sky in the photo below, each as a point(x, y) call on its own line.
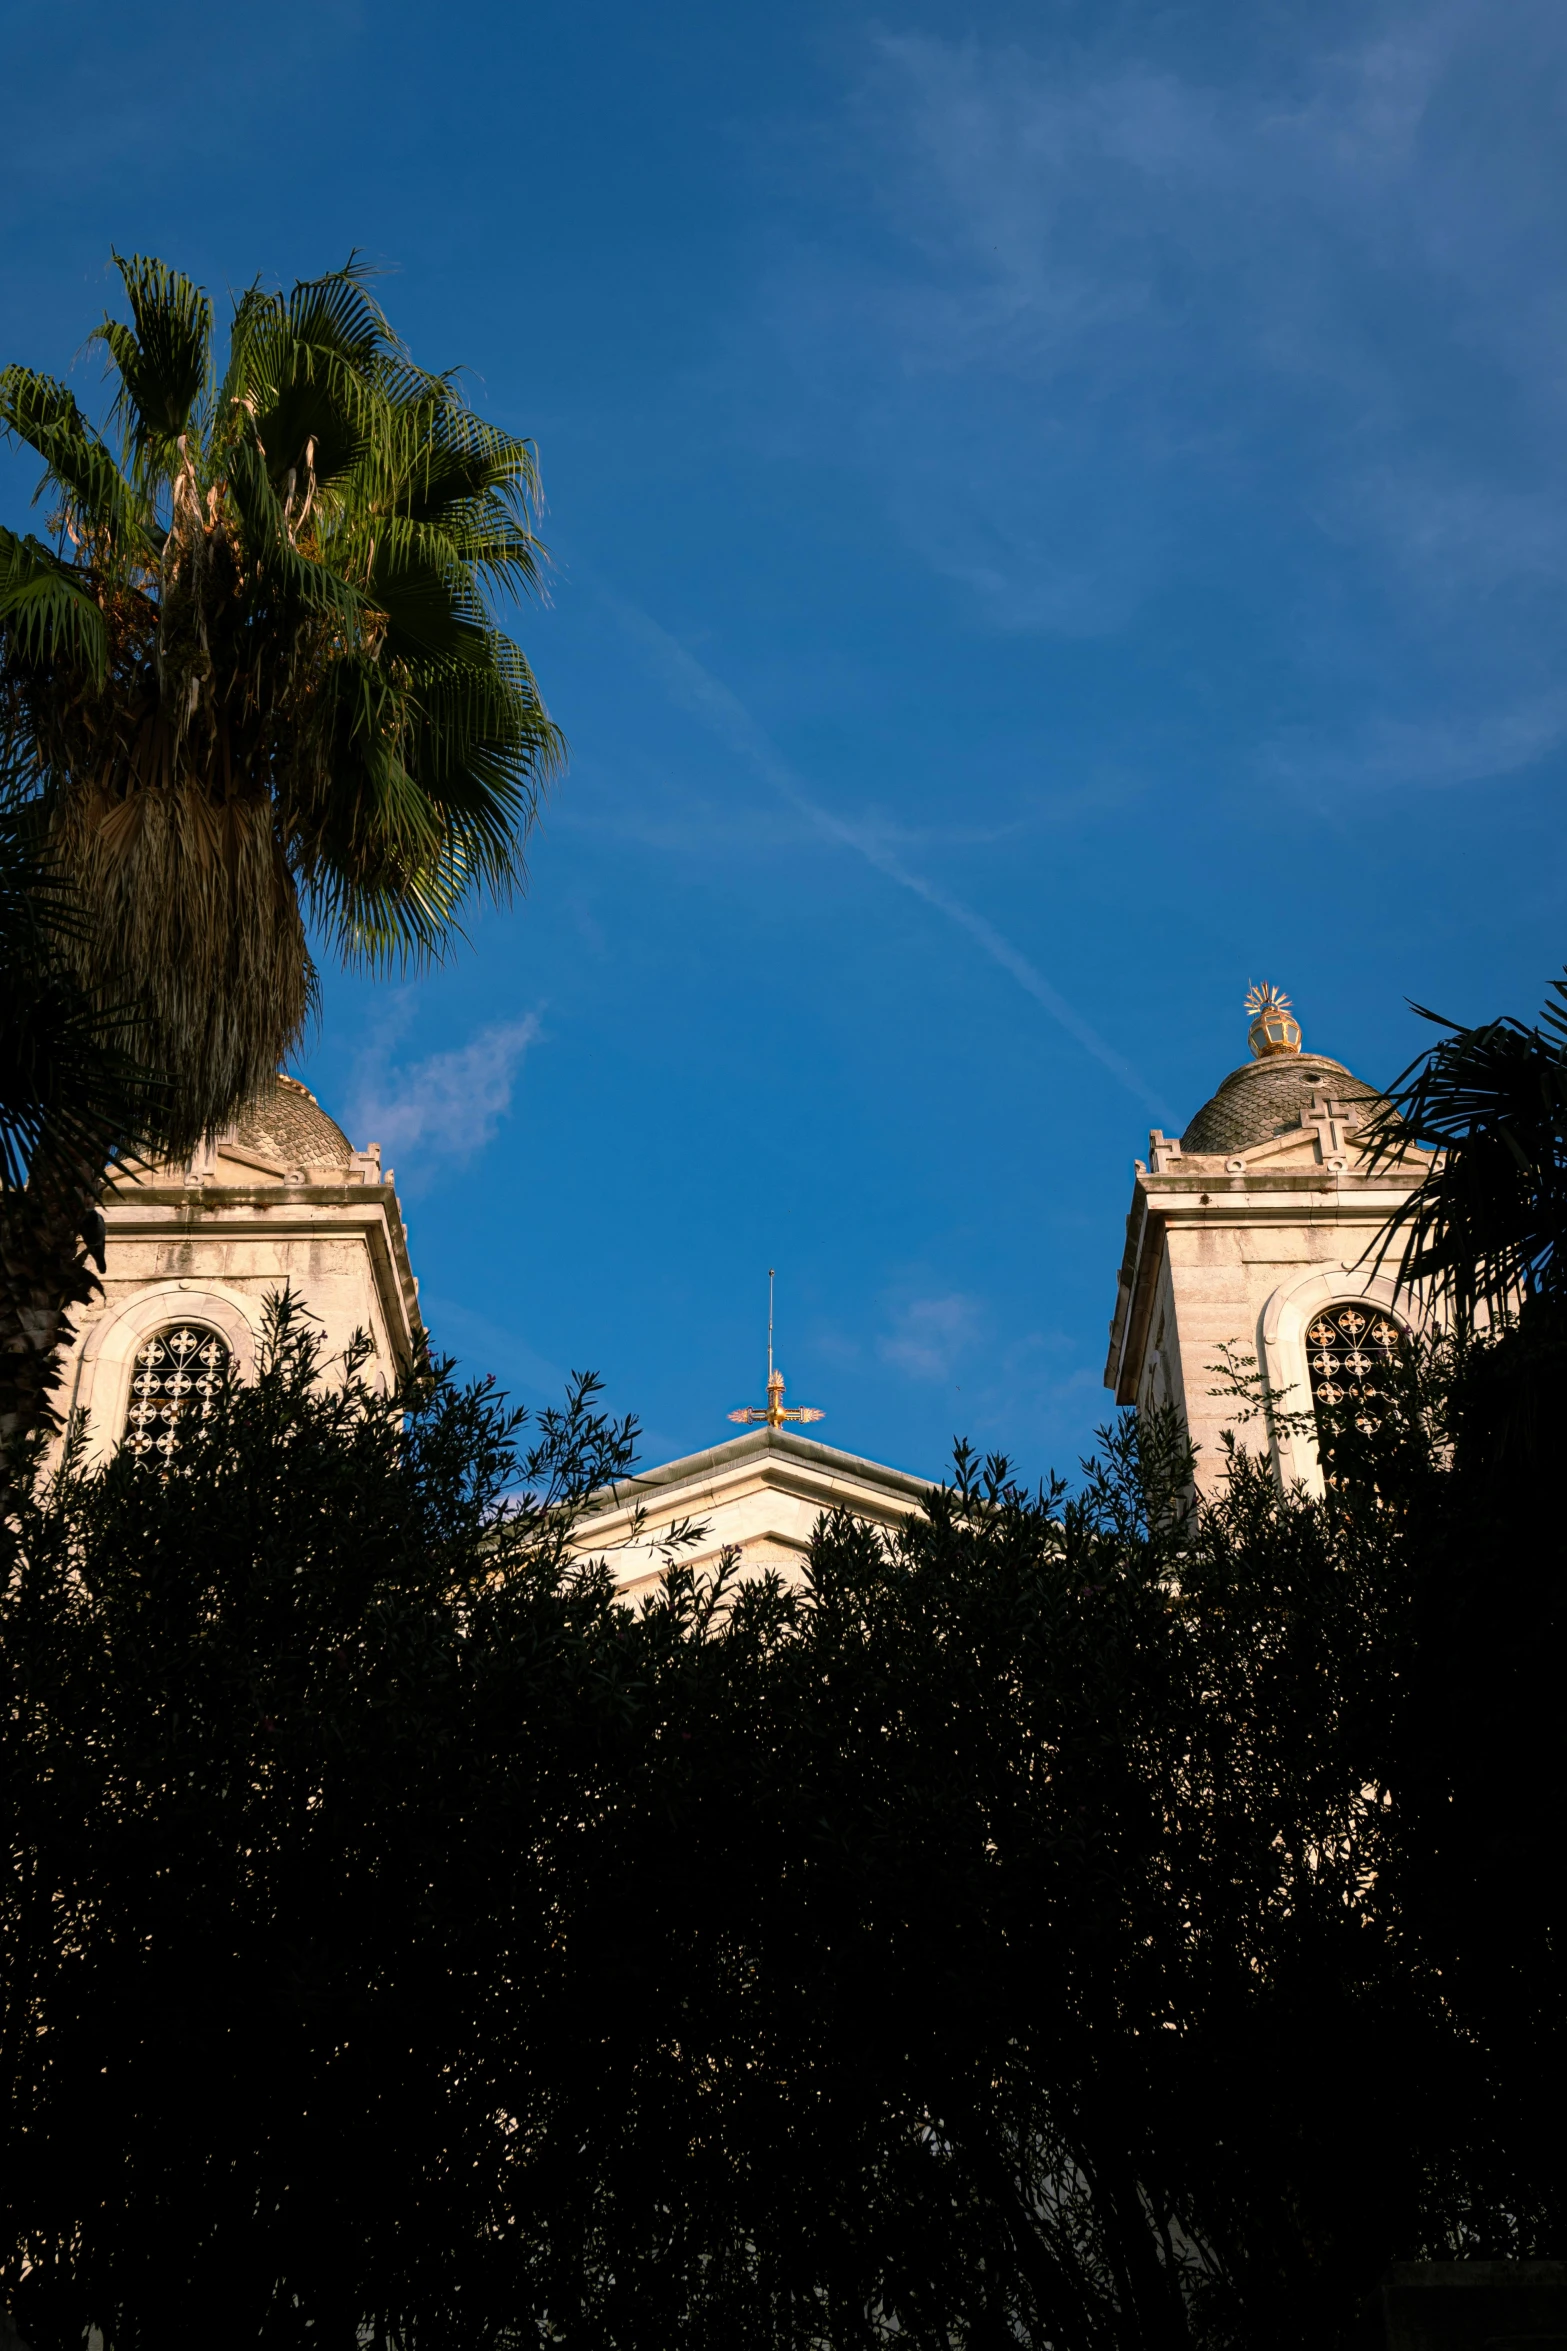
point(1057, 512)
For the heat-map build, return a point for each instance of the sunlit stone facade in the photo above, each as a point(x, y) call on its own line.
point(1255, 1231)
point(194, 1252)
point(1247, 1232)
point(758, 1496)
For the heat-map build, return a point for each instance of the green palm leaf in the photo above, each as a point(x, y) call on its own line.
point(1488, 1226)
point(164, 362)
point(102, 512)
point(47, 612)
point(66, 1079)
point(262, 670)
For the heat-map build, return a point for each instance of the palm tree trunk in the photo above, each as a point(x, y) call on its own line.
point(44, 1271)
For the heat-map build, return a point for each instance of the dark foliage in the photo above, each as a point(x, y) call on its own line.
point(1052, 1928)
point(64, 1079)
point(300, 1739)
point(1484, 1230)
point(72, 1098)
point(1485, 1788)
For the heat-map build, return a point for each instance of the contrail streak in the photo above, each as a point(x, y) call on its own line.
point(728, 718)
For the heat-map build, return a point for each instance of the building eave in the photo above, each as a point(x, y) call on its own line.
point(1183, 1197)
point(1134, 1290)
point(774, 1459)
point(142, 1210)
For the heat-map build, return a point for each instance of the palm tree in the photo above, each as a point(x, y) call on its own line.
point(1486, 1231)
point(66, 1082)
point(254, 677)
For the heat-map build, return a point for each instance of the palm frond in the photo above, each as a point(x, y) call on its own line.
point(440, 466)
point(47, 609)
point(164, 361)
point(405, 385)
point(375, 865)
point(255, 318)
point(312, 424)
point(485, 723)
point(389, 851)
point(308, 410)
point(335, 313)
point(305, 369)
point(428, 597)
point(294, 686)
point(294, 580)
point(66, 1072)
point(1486, 1226)
point(101, 505)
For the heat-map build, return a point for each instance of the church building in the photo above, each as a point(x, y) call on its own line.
point(192, 1254)
point(1254, 1231)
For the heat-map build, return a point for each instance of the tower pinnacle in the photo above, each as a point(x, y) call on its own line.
point(776, 1412)
point(1274, 1028)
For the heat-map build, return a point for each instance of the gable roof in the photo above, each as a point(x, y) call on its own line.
point(760, 1494)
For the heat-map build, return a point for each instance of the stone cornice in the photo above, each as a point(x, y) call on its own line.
point(770, 1459)
point(1195, 1197)
point(368, 1212)
point(1260, 1199)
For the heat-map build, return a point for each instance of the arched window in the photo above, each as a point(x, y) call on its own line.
point(1348, 1351)
point(178, 1372)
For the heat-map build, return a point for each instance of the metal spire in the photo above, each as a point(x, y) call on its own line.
point(776, 1412)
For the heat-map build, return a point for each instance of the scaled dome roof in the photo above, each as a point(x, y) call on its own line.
point(286, 1123)
point(1263, 1098)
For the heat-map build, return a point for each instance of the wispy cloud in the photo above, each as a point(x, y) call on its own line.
point(1433, 750)
point(493, 1346)
point(446, 1106)
point(697, 690)
point(930, 1336)
point(1273, 316)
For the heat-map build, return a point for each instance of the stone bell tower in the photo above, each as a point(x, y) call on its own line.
point(1255, 1229)
point(194, 1252)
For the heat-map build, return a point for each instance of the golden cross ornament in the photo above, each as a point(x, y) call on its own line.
point(777, 1411)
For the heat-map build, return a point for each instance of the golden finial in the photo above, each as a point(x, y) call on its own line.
point(777, 1411)
point(1274, 1028)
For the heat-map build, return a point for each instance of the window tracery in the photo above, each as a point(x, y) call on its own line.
point(179, 1372)
point(1348, 1351)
